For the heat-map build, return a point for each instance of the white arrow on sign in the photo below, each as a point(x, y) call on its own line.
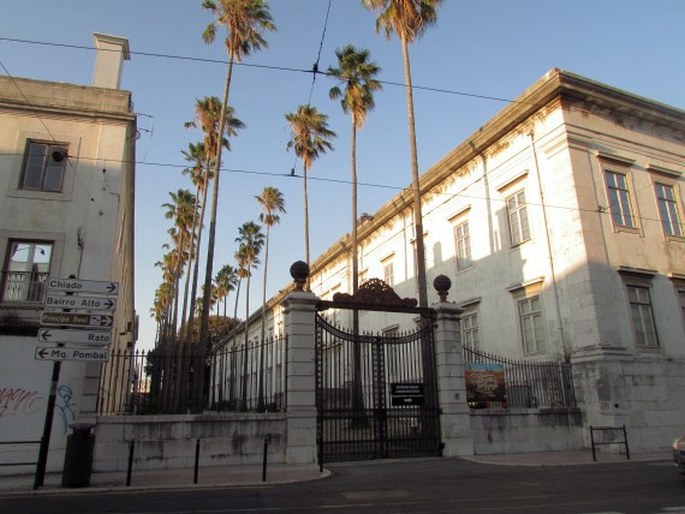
point(61, 353)
point(65, 335)
point(89, 303)
point(73, 285)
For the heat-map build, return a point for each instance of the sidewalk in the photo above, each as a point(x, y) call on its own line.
point(241, 476)
point(160, 479)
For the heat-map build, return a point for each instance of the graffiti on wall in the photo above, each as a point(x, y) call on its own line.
point(64, 406)
point(17, 401)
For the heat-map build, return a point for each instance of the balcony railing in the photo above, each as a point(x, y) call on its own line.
point(23, 286)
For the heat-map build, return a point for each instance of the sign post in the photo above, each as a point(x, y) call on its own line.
point(64, 318)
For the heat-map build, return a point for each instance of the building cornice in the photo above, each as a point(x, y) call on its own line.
point(64, 100)
point(557, 88)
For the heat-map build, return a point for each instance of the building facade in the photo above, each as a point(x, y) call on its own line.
point(560, 223)
point(67, 156)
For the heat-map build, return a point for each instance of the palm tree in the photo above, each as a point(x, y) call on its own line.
point(198, 176)
point(213, 119)
point(309, 138)
point(181, 210)
point(357, 74)
point(225, 281)
point(250, 240)
point(245, 22)
point(409, 19)
point(272, 203)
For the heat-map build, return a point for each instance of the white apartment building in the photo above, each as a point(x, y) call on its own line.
point(67, 161)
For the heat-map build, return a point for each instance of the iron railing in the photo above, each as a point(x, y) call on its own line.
point(165, 382)
point(494, 381)
point(23, 286)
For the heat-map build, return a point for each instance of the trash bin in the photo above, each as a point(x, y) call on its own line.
point(78, 459)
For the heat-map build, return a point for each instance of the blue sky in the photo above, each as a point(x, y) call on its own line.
point(489, 48)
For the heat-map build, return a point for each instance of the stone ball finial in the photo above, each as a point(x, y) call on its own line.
point(442, 284)
point(299, 270)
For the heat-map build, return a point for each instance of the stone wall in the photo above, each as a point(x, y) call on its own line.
point(640, 393)
point(165, 442)
point(526, 430)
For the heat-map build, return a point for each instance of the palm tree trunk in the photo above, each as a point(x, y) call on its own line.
point(196, 271)
point(418, 218)
point(357, 392)
point(247, 315)
point(204, 320)
point(194, 250)
point(306, 224)
point(232, 384)
point(260, 401)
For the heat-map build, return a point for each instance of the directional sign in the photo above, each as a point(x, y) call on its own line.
point(60, 353)
point(72, 285)
point(66, 335)
point(89, 303)
point(76, 319)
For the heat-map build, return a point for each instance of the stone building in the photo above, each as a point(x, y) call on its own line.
point(67, 162)
point(560, 223)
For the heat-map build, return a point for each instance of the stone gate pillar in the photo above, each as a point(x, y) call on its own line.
point(455, 424)
point(299, 313)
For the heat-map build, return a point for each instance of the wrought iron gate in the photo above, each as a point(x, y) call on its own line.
point(376, 395)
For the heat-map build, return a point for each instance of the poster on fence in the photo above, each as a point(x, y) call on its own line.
point(485, 388)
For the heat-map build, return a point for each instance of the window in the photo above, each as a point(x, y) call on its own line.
point(643, 319)
point(530, 315)
point(26, 270)
point(388, 275)
point(619, 199)
point(463, 245)
point(518, 218)
point(668, 210)
point(470, 330)
point(44, 167)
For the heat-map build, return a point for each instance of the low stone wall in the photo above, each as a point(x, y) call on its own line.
point(641, 393)
point(164, 442)
point(526, 430)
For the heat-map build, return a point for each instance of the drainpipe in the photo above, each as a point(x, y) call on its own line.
point(550, 254)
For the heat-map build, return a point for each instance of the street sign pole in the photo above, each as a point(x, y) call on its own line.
point(47, 428)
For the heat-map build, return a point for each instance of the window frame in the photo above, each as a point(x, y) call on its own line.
point(32, 284)
point(469, 329)
point(674, 212)
point(388, 278)
point(520, 213)
point(47, 163)
point(620, 218)
point(534, 316)
point(643, 307)
point(462, 245)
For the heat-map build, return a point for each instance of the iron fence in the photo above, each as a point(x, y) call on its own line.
point(497, 382)
point(159, 381)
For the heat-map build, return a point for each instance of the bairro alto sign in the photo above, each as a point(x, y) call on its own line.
point(90, 303)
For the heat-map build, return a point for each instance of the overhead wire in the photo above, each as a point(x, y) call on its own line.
point(314, 70)
point(377, 185)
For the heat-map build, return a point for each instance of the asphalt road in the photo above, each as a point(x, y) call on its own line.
point(417, 486)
